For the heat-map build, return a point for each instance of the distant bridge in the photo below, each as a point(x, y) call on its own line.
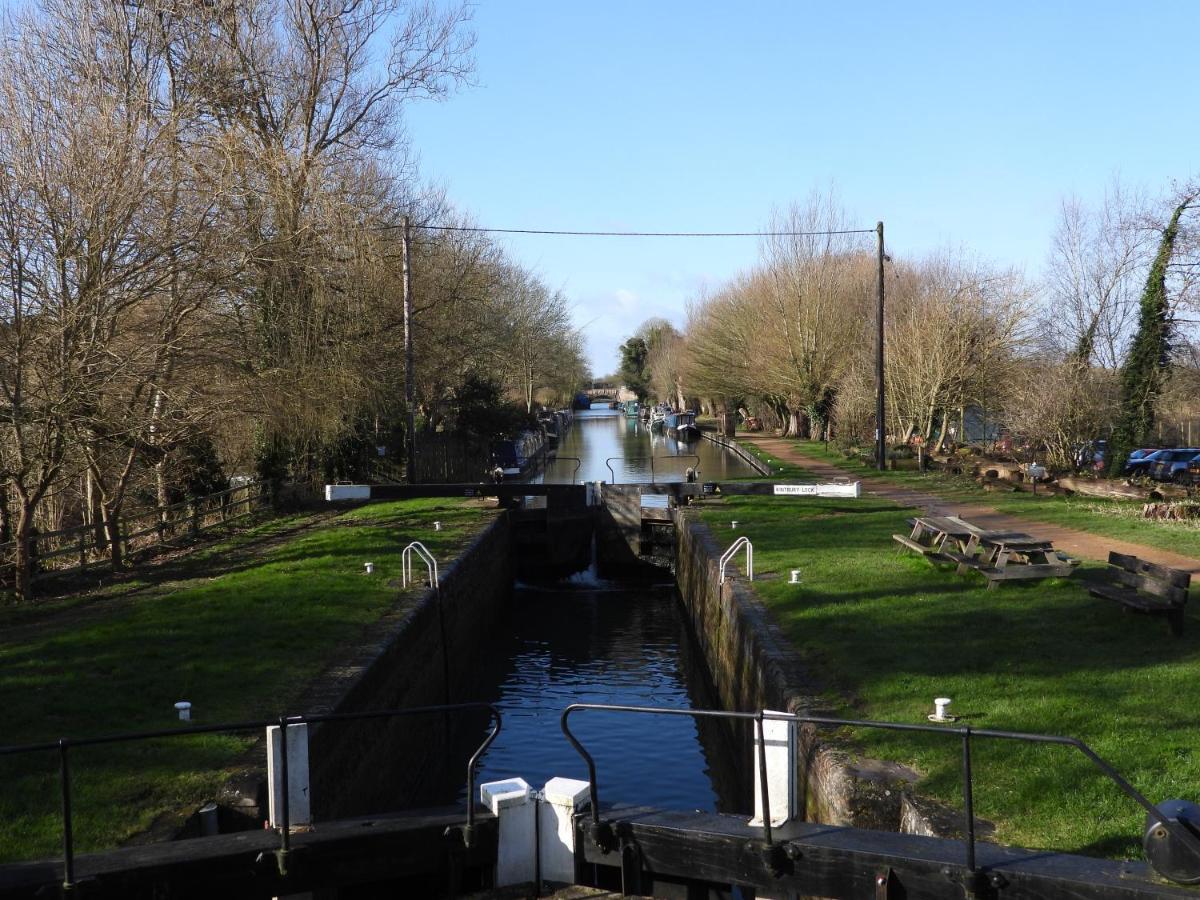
point(620, 394)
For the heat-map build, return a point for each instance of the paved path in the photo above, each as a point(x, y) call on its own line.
point(1077, 543)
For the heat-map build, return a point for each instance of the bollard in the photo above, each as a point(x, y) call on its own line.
point(562, 799)
point(511, 801)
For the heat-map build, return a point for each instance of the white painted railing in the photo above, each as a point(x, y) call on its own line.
point(427, 557)
point(728, 555)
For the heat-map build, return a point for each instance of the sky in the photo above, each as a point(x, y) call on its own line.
point(959, 125)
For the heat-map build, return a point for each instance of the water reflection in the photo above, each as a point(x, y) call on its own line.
point(616, 448)
point(627, 646)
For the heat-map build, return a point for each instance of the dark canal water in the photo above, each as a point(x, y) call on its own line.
point(583, 639)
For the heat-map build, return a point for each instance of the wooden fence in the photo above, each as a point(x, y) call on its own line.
point(85, 547)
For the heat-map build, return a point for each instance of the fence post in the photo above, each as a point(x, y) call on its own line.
point(194, 508)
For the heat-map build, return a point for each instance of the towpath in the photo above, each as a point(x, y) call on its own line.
point(1077, 543)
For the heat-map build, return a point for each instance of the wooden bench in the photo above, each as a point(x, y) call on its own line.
point(1144, 587)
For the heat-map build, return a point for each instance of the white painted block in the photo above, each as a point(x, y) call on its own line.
point(347, 492)
point(299, 801)
point(780, 738)
point(562, 798)
point(512, 802)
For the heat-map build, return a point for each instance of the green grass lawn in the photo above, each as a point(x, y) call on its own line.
point(241, 638)
point(889, 632)
point(1120, 519)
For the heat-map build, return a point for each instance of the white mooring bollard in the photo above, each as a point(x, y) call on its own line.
point(562, 798)
point(511, 801)
point(299, 802)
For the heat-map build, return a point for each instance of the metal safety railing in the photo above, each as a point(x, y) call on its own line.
point(650, 459)
point(575, 459)
point(737, 545)
point(64, 745)
point(965, 733)
point(426, 557)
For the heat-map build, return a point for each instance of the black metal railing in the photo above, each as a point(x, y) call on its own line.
point(649, 459)
point(64, 745)
point(965, 733)
point(575, 459)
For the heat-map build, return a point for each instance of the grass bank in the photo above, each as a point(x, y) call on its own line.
point(1119, 519)
point(888, 632)
point(240, 635)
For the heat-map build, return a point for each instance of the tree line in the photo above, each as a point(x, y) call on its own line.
point(1104, 346)
point(200, 269)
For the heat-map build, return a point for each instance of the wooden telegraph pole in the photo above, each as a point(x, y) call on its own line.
point(880, 444)
point(410, 442)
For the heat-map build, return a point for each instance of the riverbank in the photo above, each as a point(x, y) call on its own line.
point(885, 632)
point(241, 641)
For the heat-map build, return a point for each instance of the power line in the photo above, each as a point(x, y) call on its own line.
point(673, 234)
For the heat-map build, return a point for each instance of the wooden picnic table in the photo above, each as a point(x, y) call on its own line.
point(930, 535)
point(1012, 555)
point(998, 555)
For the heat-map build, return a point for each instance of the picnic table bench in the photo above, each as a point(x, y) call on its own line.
point(1011, 555)
point(931, 534)
point(1145, 587)
point(997, 555)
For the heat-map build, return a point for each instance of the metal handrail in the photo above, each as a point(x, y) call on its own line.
point(593, 790)
point(1177, 829)
point(685, 456)
point(63, 745)
point(608, 463)
point(578, 464)
point(426, 557)
point(649, 459)
point(743, 541)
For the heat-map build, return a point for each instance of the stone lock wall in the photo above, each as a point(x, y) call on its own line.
point(372, 766)
point(753, 666)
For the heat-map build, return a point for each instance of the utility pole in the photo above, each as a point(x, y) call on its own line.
point(410, 438)
point(880, 448)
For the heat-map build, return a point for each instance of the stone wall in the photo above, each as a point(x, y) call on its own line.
point(373, 766)
point(753, 666)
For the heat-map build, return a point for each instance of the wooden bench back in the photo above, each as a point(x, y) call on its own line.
point(1170, 584)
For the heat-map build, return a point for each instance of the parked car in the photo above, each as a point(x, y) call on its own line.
point(1140, 465)
point(1172, 465)
point(1194, 471)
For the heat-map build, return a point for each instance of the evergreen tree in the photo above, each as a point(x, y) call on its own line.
point(1145, 367)
point(633, 367)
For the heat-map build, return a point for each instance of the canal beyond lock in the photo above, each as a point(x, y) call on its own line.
point(584, 639)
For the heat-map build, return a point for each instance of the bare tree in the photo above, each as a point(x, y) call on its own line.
point(1097, 265)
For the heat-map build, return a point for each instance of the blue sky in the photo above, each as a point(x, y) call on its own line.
point(957, 124)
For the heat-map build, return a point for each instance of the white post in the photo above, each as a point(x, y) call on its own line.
point(780, 738)
point(511, 801)
point(299, 807)
point(562, 797)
